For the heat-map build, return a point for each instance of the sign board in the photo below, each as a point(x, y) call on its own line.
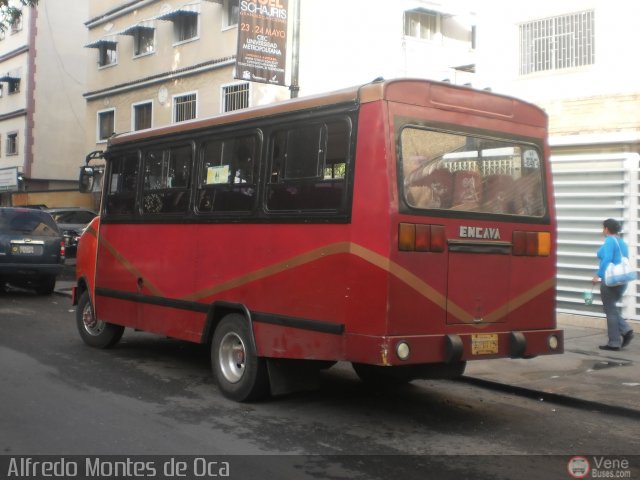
point(9, 179)
point(262, 41)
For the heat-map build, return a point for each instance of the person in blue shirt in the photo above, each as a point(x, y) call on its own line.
point(612, 251)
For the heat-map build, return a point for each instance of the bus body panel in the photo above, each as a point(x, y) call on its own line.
point(345, 290)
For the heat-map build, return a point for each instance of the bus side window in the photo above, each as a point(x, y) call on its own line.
point(166, 180)
point(309, 167)
point(227, 178)
point(122, 183)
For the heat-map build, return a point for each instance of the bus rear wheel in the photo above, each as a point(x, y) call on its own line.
point(240, 374)
point(94, 332)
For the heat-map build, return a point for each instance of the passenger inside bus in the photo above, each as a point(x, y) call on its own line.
point(498, 194)
point(467, 190)
point(433, 190)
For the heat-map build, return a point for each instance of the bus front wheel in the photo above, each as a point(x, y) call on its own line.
point(240, 374)
point(94, 332)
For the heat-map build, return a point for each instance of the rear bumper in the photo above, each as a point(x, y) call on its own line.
point(451, 348)
point(29, 271)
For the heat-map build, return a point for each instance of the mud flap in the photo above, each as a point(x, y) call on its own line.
point(289, 376)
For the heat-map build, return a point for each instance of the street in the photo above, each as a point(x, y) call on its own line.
point(156, 396)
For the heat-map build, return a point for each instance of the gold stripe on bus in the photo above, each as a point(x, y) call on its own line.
point(531, 294)
point(401, 273)
point(129, 267)
point(380, 261)
point(307, 257)
point(369, 256)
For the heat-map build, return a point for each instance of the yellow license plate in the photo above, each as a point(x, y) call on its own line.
point(484, 344)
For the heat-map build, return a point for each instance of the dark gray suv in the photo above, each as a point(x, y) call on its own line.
point(31, 249)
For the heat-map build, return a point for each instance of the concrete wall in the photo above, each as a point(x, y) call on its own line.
point(59, 109)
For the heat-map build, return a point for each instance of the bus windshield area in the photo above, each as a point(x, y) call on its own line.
point(452, 171)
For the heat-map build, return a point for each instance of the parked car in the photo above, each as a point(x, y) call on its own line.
point(71, 221)
point(32, 250)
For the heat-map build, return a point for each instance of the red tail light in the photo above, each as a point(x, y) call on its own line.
point(421, 238)
point(532, 244)
point(62, 248)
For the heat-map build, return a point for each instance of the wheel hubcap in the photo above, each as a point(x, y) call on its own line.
point(92, 325)
point(232, 357)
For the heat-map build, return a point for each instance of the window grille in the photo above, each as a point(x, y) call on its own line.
point(236, 97)
point(558, 42)
point(184, 107)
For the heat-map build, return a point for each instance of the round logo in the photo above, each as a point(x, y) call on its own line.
point(578, 467)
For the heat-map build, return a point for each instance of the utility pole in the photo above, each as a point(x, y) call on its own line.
point(294, 88)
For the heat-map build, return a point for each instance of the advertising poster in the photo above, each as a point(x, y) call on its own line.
point(8, 179)
point(262, 41)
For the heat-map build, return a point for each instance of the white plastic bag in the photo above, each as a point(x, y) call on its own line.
point(619, 274)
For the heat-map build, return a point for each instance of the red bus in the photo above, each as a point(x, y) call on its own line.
point(405, 226)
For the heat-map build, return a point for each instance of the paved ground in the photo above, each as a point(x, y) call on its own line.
point(584, 371)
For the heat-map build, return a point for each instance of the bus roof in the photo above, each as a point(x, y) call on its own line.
point(418, 92)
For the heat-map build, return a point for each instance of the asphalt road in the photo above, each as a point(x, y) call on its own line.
point(156, 396)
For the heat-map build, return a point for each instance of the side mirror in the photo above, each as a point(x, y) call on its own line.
point(87, 179)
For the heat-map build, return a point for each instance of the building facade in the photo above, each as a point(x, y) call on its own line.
point(152, 63)
point(42, 77)
point(155, 62)
point(570, 58)
point(350, 43)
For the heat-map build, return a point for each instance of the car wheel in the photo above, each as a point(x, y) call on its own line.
point(46, 285)
point(94, 332)
point(241, 375)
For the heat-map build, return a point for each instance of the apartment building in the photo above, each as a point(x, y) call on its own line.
point(156, 62)
point(153, 63)
point(41, 107)
point(572, 58)
point(350, 43)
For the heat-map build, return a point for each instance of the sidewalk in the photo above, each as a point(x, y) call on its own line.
point(584, 371)
point(63, 287)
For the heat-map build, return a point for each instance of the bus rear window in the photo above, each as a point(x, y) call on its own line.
point(446, 171)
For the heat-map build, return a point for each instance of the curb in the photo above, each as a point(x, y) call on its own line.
point(559, 399)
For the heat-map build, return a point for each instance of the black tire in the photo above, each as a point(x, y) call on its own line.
point(240, 374)
point(46, 285)
point(94, 332)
